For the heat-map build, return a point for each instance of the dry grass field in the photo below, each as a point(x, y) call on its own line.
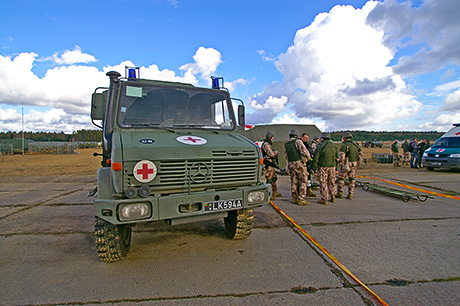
point(49, 164)
point(85, 163)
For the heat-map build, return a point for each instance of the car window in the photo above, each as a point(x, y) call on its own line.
point(447, 142)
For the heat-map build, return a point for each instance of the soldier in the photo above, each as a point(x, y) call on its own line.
point(270, 161)
point(395, 151)
point(325, 161)
point(296, 157)
point(304, 138)
point(314, 143)
point(350, 157)
point(406, 153)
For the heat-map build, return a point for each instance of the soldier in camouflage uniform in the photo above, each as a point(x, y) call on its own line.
point(395, 151)
point(314, 144)
point(304, 138)
point(406, 153)
point(270, 160)
point(325, 162)
point(296, 156)
point(350, 157)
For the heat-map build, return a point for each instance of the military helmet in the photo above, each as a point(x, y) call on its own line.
point(316, 137)
point(269, 134)
point(347, 135)
point(326, 135)
point(294, 132)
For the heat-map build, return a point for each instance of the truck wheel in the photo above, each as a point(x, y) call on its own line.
point(112, 241)
point(238, 223)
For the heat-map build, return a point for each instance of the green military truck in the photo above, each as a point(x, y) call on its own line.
point(171, 152)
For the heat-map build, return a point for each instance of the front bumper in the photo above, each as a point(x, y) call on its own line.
point(441, 162)
point(169, 207)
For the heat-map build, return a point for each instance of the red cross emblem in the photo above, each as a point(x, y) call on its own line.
point(458, 133)
point(145, 171)
point(192, 140)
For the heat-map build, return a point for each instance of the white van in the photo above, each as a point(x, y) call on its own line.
point(445, 152)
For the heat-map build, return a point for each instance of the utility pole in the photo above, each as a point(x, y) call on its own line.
point(22, 131)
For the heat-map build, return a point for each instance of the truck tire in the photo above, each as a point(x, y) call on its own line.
point(112, 241)
point(238, 223)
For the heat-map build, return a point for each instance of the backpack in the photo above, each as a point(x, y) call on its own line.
point(411, 148)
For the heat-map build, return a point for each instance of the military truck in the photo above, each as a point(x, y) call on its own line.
point(171, 152)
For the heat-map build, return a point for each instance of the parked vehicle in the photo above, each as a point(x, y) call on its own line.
point(445, 152)
point(171, 152)
point(373, 144)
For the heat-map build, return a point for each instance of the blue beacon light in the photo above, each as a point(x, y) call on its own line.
point(131, 73)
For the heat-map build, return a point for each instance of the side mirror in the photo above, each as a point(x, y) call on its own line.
point(97, 106)
point(241, 115)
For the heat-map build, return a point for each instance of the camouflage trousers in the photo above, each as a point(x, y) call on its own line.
point(405, 158)
point(396, 159)
point(298, 174)
point(326, 178)
point(271, 178)
point(350, 175)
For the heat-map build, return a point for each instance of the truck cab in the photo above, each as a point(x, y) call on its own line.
point(171, 152)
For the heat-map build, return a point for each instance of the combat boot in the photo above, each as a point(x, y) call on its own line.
point(302, 202)
point(339, 195)
point(350, 196)
point(333, 198)
point(276, 194)
point(310, 193)
point(294, 200)
point(272, 198)
point(324, 202)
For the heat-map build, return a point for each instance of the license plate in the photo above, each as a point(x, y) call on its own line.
point(223, 205)
point(435, 164)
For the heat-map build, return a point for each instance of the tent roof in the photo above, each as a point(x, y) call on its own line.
point(281, 131)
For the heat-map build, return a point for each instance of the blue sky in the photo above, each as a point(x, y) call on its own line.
point(366, 65)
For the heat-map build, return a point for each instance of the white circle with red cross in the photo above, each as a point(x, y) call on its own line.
point(192, 140)
point(145, 171)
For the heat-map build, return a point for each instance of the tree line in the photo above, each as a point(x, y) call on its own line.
point(96, 135)
point(388, 136)
point(81, 135)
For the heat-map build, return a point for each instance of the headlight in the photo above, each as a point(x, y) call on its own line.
point(134, 211)
point(256, 196)
point(425, 154)
point(457, 155)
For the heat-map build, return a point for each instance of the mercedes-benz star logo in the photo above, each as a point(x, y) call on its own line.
point(199, 172)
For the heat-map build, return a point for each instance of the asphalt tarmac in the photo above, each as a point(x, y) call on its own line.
point(406, 253)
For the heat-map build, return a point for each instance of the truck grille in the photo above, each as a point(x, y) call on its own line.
point(176, 175)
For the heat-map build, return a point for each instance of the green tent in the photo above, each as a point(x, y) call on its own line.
point(257, 134)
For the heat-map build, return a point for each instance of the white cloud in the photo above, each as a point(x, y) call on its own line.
point(293, 119)
point(274, 104)
point(74, 56)
point(337, 70)
point(443, 122)
point(67, 89)
point(434, 27)
point(206, 62)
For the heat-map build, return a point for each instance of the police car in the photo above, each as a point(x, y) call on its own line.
point(445, 152)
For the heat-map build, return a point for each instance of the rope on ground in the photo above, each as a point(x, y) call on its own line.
point(326, 252)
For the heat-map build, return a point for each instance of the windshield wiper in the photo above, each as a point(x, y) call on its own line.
point(153, 125)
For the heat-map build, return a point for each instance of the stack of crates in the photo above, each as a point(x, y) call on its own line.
point(383, 158)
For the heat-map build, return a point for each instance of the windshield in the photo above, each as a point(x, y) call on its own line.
point(144, 106)
point(447, 142)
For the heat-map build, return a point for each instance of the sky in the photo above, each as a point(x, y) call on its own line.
point(389, 65)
